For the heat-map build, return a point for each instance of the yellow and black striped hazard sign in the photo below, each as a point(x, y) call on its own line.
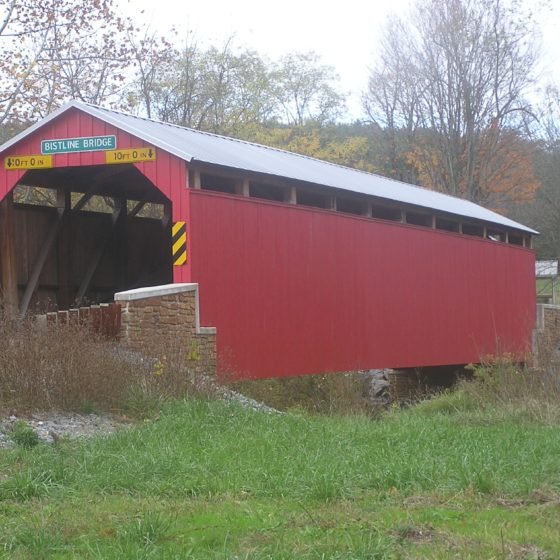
point(179, 243)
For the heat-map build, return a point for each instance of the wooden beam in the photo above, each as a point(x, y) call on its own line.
point(64, 249)
point(95, 260)
point(121, 232)
point(196, 184)
point(291, 195)
point(82, 202)
point(33, 280)
point(92, 267)
point(8, 262)
point(242, 187)
point(137, 208)
point(166, 220)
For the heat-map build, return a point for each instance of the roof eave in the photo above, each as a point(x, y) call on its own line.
point(101, 115)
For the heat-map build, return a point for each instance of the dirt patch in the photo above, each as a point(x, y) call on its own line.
point(526, 552)
point(537, 497)
point(415, 534)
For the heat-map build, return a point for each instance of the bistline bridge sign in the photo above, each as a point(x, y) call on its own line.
point(82, 144)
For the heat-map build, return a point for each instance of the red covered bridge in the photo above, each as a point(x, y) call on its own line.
point(303, 266)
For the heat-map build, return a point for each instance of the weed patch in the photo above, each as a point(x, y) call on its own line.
point(341, 393)
point(501, 391)
point(71, 368)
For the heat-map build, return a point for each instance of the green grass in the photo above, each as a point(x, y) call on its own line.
point(211, 480)
point(544, 288)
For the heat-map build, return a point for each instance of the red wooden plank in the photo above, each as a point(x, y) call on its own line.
point(294, 290)
point(84, 315)
point(95, 316)
point(74, 317)
point(62, 317)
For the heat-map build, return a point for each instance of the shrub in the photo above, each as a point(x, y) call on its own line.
point(449, 401)
point(24, 435)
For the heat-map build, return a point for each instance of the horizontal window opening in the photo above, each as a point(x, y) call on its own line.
point(148, 210)
point(267, 192)
point(474, 230)
point(515, 239)
point(350, 206)
point(496, 235)
point(385, 213)
point(447, 225)
point(217, 183)
point(418, 219)
point(306, 198)
point(98, 203)
point(38, 196)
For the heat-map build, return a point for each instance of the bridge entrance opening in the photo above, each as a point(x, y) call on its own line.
point(74, 236)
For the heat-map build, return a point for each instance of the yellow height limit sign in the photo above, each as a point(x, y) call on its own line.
point(28, 162)
point(130, 155)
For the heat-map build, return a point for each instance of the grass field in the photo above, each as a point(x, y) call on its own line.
point(212, 480)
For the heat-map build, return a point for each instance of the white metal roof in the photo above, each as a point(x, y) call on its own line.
point(196, 146)
point(546, 269)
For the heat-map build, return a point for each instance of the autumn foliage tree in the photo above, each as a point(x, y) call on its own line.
point(449, 89)
point(55, 50)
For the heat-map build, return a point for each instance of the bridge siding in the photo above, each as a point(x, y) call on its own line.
point(294, 290)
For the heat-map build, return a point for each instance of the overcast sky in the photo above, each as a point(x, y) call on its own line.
point(343, 33)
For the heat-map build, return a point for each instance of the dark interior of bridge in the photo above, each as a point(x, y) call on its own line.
point(74, 236)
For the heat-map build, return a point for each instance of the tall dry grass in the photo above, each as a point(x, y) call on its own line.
point(341, 393)
point(72, 368)
point(503, 389)
point(526, 391)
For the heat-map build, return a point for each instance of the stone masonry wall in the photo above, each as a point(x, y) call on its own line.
point(165, 320)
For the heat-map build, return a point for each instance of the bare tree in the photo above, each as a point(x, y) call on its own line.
point(306, 90)
point(154, 56)
point(230, 90)
point(543, 213)
point(451, 81)
point(216, 89)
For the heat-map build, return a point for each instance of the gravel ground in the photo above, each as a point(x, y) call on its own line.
point(50, 426)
